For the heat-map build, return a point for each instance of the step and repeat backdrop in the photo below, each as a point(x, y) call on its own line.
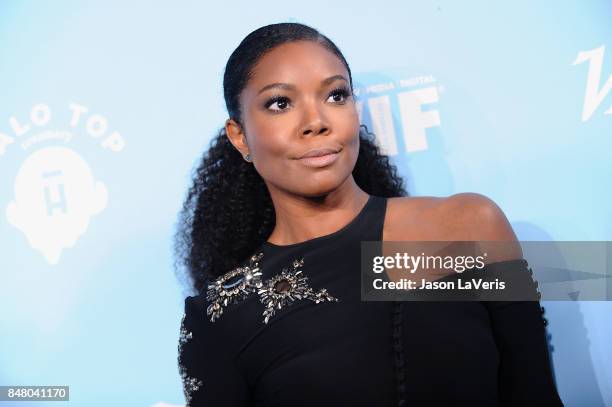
point(105, 107)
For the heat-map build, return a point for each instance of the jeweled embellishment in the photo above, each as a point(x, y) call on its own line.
point(233, 287)
point(184, 335)
point(288, 286)
point(190, 384)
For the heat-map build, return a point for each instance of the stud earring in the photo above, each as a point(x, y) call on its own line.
point(247, 157)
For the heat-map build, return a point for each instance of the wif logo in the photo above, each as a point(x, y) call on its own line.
point(400, 110)
point(594, 95)
point(55, 190)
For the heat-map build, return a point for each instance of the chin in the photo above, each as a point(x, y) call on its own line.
point(320, 186)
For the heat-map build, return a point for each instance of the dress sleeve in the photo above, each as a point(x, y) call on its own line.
point(207, 370)
point(525, 375)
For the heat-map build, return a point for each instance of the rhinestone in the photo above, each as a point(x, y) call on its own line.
point(282, 286)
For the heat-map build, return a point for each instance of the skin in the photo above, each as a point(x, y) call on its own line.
point(312, 202)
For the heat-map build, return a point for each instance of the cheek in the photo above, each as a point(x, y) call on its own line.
point(350, 133)
point(271, 148)
point(266, 138)
point(348, 126)
point(271, 151)
point(353, 150)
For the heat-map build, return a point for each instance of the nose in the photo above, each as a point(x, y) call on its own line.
point(314, 121)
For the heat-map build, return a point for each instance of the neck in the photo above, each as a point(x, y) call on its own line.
point(300, 218)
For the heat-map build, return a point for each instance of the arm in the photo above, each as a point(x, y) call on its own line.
point(525, 373)
point(207, 370)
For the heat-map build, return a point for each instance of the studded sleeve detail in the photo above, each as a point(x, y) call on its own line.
point(398, 354)
point(191, 384)
point(206, 361)
point(519, 329)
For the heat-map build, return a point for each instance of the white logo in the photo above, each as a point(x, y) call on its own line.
point(55, 190)
point(382, 97)
point(592, 96)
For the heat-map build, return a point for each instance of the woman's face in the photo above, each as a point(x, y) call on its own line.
point(297, 100)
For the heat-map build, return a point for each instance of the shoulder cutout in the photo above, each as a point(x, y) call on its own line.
point(460, 217)
point(475, 217)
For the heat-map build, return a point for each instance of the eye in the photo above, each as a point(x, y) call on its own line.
point(339, 96)
point(281, 101)
point(342, 93)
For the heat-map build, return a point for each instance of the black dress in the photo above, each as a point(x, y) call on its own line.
point(318, 351)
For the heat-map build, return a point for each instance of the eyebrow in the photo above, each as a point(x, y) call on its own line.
point(288, 86)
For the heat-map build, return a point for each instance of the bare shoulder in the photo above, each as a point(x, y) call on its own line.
point(464, 216)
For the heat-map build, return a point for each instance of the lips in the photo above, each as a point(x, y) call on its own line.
point(319, 152)
point(319, 158)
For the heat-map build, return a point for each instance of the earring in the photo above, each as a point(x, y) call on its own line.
point(247, 157)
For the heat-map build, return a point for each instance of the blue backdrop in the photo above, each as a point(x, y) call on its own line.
point(106, 106)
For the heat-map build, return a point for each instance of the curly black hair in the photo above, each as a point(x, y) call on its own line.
point(228, 211)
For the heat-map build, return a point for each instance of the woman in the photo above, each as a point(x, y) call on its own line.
point(270, 233)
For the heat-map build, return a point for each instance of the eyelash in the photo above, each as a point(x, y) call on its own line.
point(345, 92)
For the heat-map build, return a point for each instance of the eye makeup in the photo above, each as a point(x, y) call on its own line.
point(282, 100)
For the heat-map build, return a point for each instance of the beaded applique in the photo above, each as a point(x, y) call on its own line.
point(288, 286)
point(275, 293)
point(233, 286)
point(190, 384)
point(184, 336)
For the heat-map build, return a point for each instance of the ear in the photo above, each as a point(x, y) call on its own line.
point(236, 136)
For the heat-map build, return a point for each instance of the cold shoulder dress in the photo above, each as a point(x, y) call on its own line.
point(328, 348)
